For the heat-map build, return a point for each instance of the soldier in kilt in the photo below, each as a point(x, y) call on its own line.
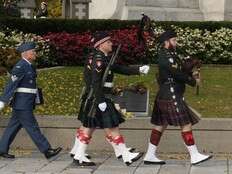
point(98, 111)
point(170, 107)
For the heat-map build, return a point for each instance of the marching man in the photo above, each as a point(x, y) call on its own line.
point(98, 110)
point(20, 92)
point(170, 107)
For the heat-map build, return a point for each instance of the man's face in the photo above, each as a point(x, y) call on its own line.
point(172, 43)
point(107, 46)
point(31, 55)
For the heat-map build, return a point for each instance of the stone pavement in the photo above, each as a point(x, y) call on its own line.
point(35, 163)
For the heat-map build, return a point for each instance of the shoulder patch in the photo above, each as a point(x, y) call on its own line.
point(90, 61)
point(99, 63)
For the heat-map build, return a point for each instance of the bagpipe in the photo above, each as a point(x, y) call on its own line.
point(148, 36)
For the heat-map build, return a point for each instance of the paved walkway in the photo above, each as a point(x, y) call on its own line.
point(35, 163)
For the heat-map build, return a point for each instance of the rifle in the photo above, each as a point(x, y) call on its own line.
point(91, 100)
point(112, 60)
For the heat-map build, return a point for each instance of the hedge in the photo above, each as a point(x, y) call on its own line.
point(70, 47)
point(43, 26)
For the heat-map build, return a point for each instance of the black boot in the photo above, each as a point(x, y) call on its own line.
point(52, 152)
point(6, 155)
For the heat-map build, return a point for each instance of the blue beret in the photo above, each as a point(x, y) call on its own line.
point(25, 46)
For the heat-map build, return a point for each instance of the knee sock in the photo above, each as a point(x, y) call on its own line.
point(155, 137)
point(188, 138)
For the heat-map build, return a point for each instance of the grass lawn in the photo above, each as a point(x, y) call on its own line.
point(62, 87)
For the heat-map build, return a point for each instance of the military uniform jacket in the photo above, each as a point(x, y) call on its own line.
point(171, 78)
point(23, 75)
point(95, 67)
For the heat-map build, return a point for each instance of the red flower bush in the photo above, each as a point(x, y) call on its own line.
point(70, 49)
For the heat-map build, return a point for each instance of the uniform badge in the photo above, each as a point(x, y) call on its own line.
point(98, 63)
point(171, 60)
point(14, 78)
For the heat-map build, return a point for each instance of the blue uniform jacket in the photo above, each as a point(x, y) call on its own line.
point(23, 75)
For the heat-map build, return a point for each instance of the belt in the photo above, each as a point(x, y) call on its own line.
point(26, 90)
point(108, 84)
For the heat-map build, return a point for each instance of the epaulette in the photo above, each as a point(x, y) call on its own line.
point(18, 68)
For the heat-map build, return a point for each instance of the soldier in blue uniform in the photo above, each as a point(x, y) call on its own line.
point(170, 107)
point(106, 116)
point(20, 92)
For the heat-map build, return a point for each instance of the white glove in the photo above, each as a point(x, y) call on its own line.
point(144, 69)
point(102, 106)
point(1, 105)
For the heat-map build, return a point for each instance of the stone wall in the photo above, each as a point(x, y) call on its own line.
point(163, 10)
point(228, 10)
point(211, 135)
point(76, 9)
point(213, 10)
point(27, 8)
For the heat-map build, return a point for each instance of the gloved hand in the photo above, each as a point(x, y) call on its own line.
point(195, 74)
point(102, 106)
point(1, 105)
point(144, 69)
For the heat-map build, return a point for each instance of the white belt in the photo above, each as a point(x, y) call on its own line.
point(27, 90)
point(108, 84)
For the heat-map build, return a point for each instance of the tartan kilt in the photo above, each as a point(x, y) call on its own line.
point(166, 113)
point(110, 118)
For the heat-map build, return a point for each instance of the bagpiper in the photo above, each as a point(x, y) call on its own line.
point(170, 107)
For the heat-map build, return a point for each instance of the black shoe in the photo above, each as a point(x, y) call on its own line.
point(154, 163)
point(87, 156)
point(52, 152)
point(6, 155)
point(76, 162)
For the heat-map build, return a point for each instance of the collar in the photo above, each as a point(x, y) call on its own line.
point(27, 60)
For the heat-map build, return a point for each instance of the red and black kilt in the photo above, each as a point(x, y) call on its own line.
point(165, 112)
